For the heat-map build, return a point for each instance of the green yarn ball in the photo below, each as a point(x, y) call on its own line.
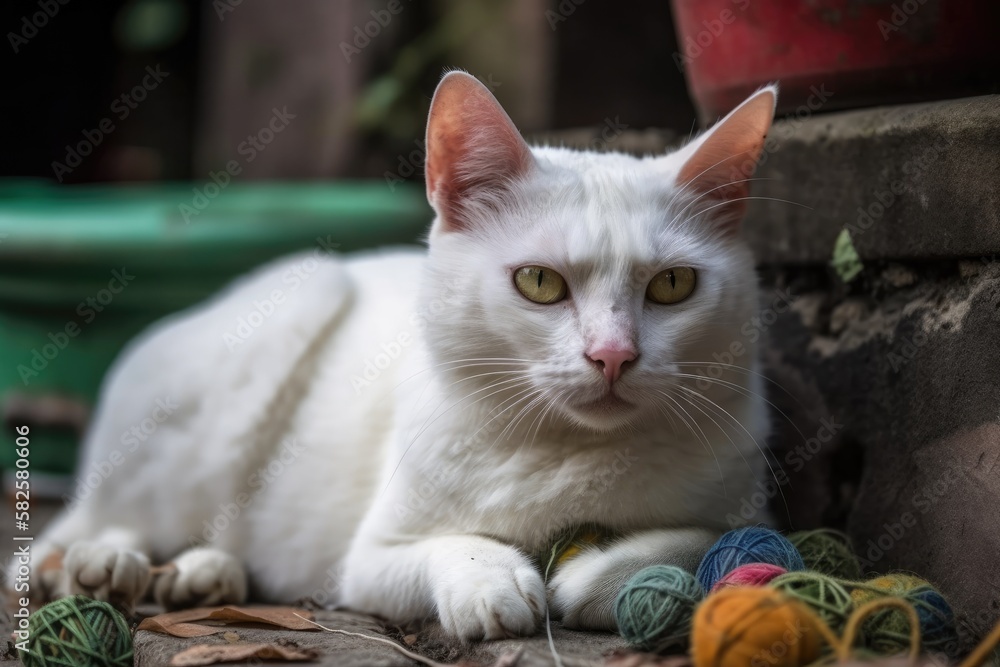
point(655, 607)
point(77, 631)
point(824, 595)
point(828, 552)
point(887, 631)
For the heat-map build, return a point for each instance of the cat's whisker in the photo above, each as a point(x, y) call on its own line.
point(541, 420)
point(751, 198)
point(704, 194)
point(741, 369)
point(529, 400)
point(744, 391)
point(427, 425)
point(724, 431)
point(512, 425)
point(433, 417)
point(704, 439)
point(716, 164)
point(503, 408)
point(721, 428)
point(479, 363)
point(466, 379)
point(482, 361)
point(760, 449)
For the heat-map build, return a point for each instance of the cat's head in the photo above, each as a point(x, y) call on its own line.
point(588, 283)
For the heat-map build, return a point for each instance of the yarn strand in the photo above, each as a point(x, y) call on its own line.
point(865, 610)
point(982, 652)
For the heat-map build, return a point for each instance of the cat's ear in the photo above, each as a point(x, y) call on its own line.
point(719, 163)
point(473, 149)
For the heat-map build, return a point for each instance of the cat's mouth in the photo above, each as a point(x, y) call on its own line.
point(607, 403)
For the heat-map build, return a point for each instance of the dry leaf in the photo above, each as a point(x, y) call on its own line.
point(632, 659)
point(210, 654)
point(192, 622)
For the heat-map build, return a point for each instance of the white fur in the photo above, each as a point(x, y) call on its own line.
point(418, 490)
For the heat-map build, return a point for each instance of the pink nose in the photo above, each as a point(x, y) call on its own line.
point(611, 361)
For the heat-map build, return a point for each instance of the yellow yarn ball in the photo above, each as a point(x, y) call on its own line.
point(890, 584)
point(741, 626)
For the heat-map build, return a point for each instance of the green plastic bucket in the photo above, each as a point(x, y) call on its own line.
point(85, 268)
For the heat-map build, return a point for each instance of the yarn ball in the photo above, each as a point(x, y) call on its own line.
point(828, 552)
point(567, 545)
point(887, 631)
point(890, 584)
point(654, 608)
point(751, 574)
point(824, 595)
point(752, 544)
point(737, 627)
point(77, 631)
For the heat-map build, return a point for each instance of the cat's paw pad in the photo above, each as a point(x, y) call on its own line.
point(483, 602)
point(104, 572)
point(201, 577)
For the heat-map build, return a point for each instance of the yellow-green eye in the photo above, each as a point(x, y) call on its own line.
point(672, 285)
point(539, 284)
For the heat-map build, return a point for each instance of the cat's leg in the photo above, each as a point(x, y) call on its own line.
point(582, 591)
point(477, 587)
point(201, 577)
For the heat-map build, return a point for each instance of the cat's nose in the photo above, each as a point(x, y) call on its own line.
point(611, 361)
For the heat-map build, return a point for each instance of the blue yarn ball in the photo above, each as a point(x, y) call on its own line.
point(753, 544)
point(937, 621)
point(655, 607)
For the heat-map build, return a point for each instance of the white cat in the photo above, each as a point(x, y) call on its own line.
point(396, 432)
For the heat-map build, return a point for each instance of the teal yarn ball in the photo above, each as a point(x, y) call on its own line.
point(77, 631)
point(752, 544)
point(655, 607)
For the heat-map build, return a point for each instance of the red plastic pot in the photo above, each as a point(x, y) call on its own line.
point(850, 53)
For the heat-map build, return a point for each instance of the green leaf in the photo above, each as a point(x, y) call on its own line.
point(846, 261)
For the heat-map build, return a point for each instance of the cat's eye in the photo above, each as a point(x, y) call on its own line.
point(540, 284)
point(671, 286)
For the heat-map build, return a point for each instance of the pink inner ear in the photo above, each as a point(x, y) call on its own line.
point(472, 148)
point(728, 156)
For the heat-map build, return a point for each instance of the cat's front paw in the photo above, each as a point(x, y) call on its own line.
point(201, 577)
point(106, 572)
point(582, 592)
point(490, 601)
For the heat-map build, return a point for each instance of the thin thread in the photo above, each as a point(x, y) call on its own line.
point(382, 640)
point(556, 549)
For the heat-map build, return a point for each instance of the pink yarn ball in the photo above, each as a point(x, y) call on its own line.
point(751, 574)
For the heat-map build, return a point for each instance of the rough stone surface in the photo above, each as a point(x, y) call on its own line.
point(580, 649)
point(907, 380)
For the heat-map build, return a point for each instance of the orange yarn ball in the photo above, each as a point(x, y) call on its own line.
point(753, 627)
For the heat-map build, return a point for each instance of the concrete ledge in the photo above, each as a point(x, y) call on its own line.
point(926, 176)
point(919, 181)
